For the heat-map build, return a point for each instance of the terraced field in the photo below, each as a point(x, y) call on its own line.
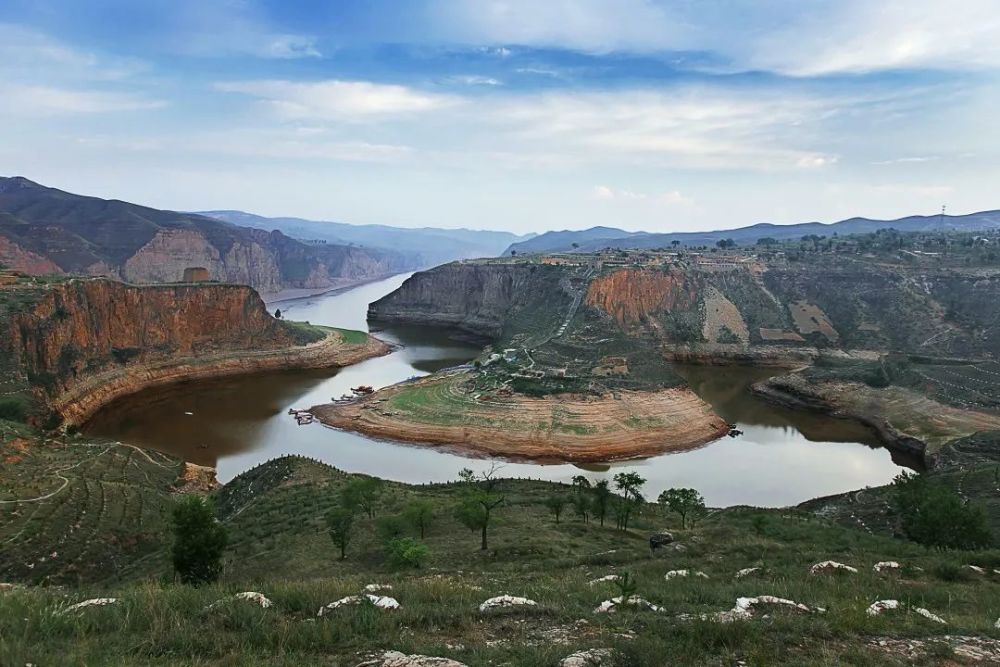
point(78, 511)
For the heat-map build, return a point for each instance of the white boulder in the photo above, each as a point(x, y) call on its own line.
point(831, 566)
point(380, 601)
point(397, 659)
point(93, 602)
point(503, 601)
point(589, 658)
point(674, 574)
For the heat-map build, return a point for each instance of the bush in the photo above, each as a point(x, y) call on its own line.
point(406, 552)
point(934, 515)
point(199, 540)
point(14, 408)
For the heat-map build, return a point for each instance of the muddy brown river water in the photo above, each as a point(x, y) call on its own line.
point(782, 458)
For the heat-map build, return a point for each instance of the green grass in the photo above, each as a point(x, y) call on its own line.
point(352, 336)
point(279, 547)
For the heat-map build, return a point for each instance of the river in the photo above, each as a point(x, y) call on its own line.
point(782, 458)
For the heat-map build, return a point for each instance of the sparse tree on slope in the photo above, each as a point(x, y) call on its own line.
point(556, 503)
point(420, 514)
point(361, 493)
point(602, 499)
point(199, 540)
point(629, 485)
point(340, 524)
point(481, 497)
point(688, 503)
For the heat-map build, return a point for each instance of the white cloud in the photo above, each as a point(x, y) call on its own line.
point(907, 160)
point(669, 198)
point(291, 46)
point(31, 56)
point(338, 99)
point(795, 38)
point(475, 80)
point(48, 100)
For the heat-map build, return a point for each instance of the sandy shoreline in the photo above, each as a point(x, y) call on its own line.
point(567, 428)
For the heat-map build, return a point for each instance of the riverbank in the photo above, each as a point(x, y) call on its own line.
point(84, 398)
point(904, 420)
point(442, 410)
point(294, 294)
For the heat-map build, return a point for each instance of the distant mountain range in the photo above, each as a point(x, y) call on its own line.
point(48, 231)
point(432, 245)
point(597, 238)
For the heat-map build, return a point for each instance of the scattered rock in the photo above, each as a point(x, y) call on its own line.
point(831, 566)
point(876, 608)
point(503, 601)
point(976, 569)
point(886, 565)
point(94, 602)
point(926, 614)
point(375, 588)
point(611, 605)
point(589, 658)
point(747, 571)
point(660, 540)
point(744, 609)
point(977, 650)
point(601, 580)
point(397, 659)
point(380, 601)
point(674, 574)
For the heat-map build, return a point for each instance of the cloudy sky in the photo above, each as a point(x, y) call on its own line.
point(660, 115)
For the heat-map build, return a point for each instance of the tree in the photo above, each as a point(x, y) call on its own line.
point(580, 484)
point(575, 245)
point(582, 507)
point(556, 504)
point(277, 313)
point(420, 514)
point(675, 243)
point(935, 515)
point(361, 493)
point(340, 525)
point(629, 485)
point(199, 540)
point(686, 502)
point(513, 253)
point(602, 499)
point(767, 241)
point(481, 497)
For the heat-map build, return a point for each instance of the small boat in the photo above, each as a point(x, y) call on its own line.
point(363, 390)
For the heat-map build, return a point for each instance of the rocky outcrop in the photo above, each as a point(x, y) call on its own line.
point(17, 258)
point(633, 295)
point(474, 298)
point(86, 342)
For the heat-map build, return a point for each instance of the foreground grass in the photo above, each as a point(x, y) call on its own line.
point(280, 548)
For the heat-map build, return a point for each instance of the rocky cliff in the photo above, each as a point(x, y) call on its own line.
point(47, 231)
point(81, 343)
point(475, 298)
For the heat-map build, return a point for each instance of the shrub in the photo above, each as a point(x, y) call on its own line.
point(14, 408)
point(935, 515)
point(199, 540)
point(406, 552)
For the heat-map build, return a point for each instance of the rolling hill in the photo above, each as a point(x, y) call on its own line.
point(597, 238)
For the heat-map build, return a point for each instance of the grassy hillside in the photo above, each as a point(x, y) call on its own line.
point(280, 548)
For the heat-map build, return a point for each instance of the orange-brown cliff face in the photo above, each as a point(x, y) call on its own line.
point(630, 295)
point(86, 342)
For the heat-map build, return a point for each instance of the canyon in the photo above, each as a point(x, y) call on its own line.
point(70, 346)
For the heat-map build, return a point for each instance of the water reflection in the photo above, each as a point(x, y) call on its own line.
point(783, 457)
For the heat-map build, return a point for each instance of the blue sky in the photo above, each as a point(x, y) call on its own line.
point(661, 115)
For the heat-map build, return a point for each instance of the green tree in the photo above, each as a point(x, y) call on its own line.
point(420, 514)
point(277, 313)
point(199, 541)
point(361, 493)
point(340, 525)
point(480, 498)
point(935, 515)
point(629, 486)
point(688, 503)
point(556, 503)
point(583, 506)
point(602, 499)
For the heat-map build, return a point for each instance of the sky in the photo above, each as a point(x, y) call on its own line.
point(656, 115)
